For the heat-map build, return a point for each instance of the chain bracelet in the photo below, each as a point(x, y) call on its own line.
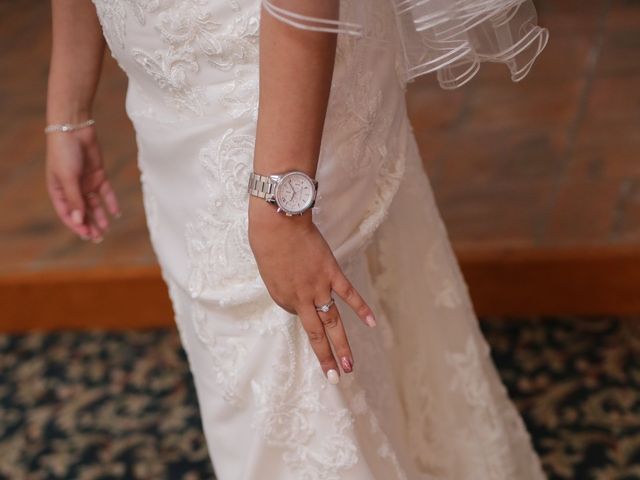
point(68, 127)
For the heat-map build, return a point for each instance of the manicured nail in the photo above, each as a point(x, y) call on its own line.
point(97, 240)
point(84, 237)
point(76, 217)
point(333, 377)
point(370, 320)
point(347, 364)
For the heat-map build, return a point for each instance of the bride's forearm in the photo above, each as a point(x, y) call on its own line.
point(76, 59)
point(296, 67)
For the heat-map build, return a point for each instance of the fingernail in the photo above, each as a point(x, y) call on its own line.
point(118, 214)
point(84, 237)
point(333, 377)
point(97, 240)
point(347, 364)
point(76, 217)
point(370, 320)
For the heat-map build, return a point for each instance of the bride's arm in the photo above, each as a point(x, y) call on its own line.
point(295, 261)
point(296, 67)
point(76, 59)
point(74, 164)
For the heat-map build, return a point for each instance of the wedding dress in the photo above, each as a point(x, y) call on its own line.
point(424, 401)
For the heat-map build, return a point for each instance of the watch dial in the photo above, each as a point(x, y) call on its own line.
point(294, 192)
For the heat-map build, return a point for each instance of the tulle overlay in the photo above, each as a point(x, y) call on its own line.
point(424, 401)
point(451, 38)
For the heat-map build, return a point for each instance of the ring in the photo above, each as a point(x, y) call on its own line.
point(324, 308)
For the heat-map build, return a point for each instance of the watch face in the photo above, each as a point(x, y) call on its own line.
point(295, 192)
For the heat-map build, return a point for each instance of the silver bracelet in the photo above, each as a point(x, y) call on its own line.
point(68, 127)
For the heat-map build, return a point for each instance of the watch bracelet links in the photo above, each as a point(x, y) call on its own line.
point(261, 186)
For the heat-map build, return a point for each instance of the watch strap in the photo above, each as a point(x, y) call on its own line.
point(262, 186)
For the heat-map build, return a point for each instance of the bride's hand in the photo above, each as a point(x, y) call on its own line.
point(300, 271)
point(77, 182)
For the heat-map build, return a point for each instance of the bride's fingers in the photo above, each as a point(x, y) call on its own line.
point(319, 342)
point(60, 205)
point(109, 198)
point(96, 232)
point(335, 330)
point(97, 212)
point(70, 185)
point(342, 286)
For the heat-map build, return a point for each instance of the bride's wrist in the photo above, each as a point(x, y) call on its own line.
point(67, 111)
point(263, 214)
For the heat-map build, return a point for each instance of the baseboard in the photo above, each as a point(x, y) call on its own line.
point(536, 281)
point(106, 298)
point(553, 280)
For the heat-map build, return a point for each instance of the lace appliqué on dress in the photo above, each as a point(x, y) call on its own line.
point(227, 353)
point(240, 97)
point(112, 15)
point(492, 413)
point(171, 69)
point(150, 204)
point(357, 100)
point(221, 262)
point(192, 36)
point(360, 407)
point(290, 405)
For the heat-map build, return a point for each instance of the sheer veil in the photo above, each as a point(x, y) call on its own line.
point(450, 37)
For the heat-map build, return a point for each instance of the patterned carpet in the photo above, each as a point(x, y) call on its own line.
point(122, 405)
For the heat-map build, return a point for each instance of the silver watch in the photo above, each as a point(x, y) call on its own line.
point(293, 192)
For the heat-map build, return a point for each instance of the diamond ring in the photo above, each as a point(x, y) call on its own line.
point(324, 308)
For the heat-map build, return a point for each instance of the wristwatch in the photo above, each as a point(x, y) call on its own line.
point(293, 192)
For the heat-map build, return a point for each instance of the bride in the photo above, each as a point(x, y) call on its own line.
point(326, 322)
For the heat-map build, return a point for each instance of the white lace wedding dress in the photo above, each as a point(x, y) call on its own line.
point(425, 401)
